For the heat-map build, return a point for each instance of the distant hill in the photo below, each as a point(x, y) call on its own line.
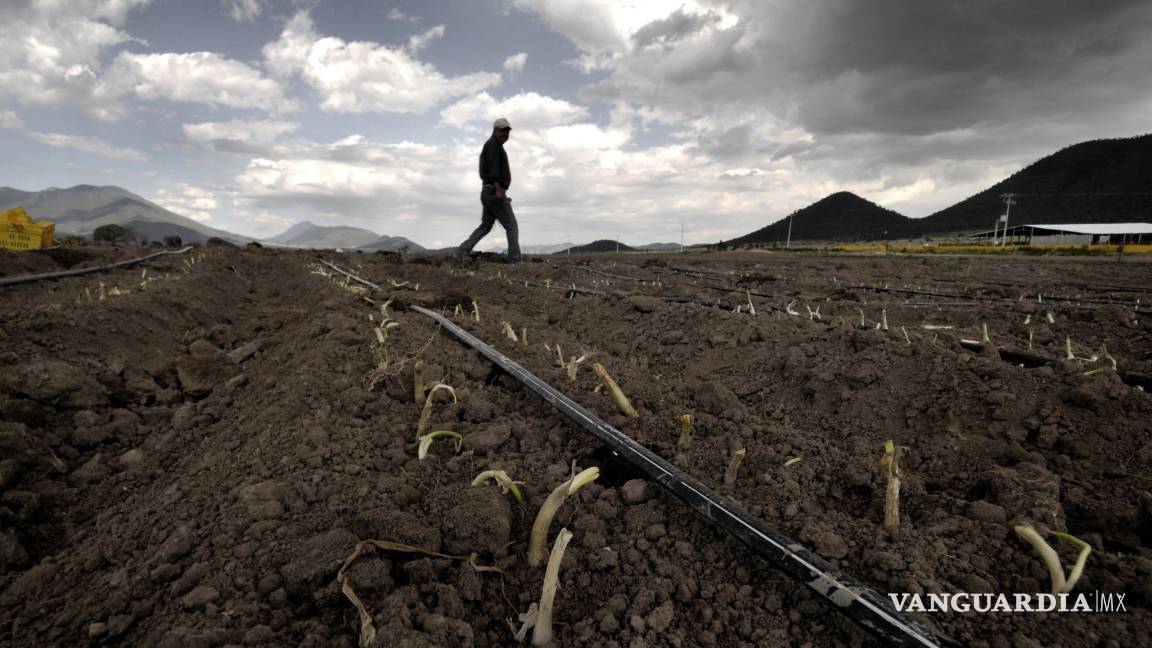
point(840, 216)
point(603, 245)
point(83, 208)
point(1101, 181)
point(392, 244)
point(658, 247)
point(306, 234)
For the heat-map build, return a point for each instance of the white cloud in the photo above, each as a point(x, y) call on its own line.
point(400, 16)
point(420, 41)
point(187, 200)
point(85, 143)
point(255, 132)
point(9, 119)
point(357, 76)
point(198, 77)
point(243, 10)
point(515, 64)
point(51, 54)
point(527, 110)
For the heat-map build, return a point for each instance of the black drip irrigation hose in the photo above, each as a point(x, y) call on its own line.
point(1015, 357)
point(842, 592)
point(1136, 306)
point(1030, 360)
point(12, 281)
point(614, 276)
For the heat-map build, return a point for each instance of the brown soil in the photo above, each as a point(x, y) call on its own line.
point(188, 465)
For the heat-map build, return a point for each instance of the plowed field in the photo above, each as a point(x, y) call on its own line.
point(188, 456)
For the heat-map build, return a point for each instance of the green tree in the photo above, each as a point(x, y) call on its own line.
point(111, 234)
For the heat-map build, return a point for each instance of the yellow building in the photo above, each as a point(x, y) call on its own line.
point(18, 232)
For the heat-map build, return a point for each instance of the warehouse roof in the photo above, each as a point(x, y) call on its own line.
point(1075, 228)
point(1094, 228)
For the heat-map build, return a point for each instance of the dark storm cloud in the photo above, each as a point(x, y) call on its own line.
point(894, 66)
point(676, 26)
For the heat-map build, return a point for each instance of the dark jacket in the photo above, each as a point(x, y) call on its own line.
point(494, 164)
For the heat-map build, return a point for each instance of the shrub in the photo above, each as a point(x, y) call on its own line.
point(112, 234)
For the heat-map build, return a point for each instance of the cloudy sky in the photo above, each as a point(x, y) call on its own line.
point(629, 117)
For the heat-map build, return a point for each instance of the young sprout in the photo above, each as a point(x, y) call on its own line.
point(502, 479)
point(527, 621)
point(1030, 335)
point(426, 412)
point(475, 310)
point(618, 396)
point(427, 439)
point(524, 336)
point(538, 539)
point(542, 632)
point(509, 331)
point(889, 464)
point(456, 313)
point(751, 308)
point(686, 421)
point(1068, 348)
point(791, 311)
point(906, 338)
point(1027, 319)
point(793, 461)
point(812, 314)
point(418, 381)
point(1107, 356)
point(883, 319)
point(573, 365)
point(101, 295)
point(1060, 584)
point(733, 467)
point(1050, 318)
point(863, 322)
point(984, 339)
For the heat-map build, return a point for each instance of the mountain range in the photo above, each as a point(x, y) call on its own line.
point(83, 208)
point(1098, 181)
point(306, 234)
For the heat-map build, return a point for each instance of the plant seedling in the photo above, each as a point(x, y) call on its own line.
point(542, 632)
point(1060, 584)
point(502, 479)
point(751, 308)
point(426, 412)
point(618, 396)
point(733, 467)
point(686, 422)
point(427, 439)
point(538, 539)
point(506, 326)
point(475, 311)
point(890, 465)
point(793, 461)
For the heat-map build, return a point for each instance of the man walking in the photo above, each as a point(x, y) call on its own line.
point(496, 177)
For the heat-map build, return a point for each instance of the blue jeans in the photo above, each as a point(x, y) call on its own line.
point(495, 209)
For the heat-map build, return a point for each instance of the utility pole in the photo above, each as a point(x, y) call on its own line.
point(681, 237)
point(789, 243)
point(1008, 202)
point(569, 237)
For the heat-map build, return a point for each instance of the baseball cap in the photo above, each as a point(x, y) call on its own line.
point(502, 123)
